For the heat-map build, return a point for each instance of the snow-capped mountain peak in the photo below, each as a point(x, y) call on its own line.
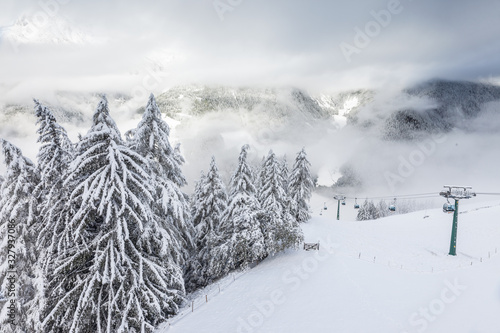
point(54, 30)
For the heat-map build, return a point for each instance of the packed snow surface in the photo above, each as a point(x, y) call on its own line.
point(389, 275)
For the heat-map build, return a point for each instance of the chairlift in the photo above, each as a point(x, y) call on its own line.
point(356, 205)
point(343, 202)
point(448, 208)
point(392, 207)
point(324, 206)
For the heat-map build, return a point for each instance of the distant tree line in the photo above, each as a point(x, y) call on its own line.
point(368, 210)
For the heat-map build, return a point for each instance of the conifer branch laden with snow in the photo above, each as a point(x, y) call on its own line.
point(209, 206)
point(18, 207)
point(280, 228)
point(54, 156)
point(115, 277)
point(170, 204)
point(240, 231)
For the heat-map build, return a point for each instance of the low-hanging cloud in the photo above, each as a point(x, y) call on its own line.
point(134, 48)
point(276, 43)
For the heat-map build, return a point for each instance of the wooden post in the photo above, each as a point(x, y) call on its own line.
point(192, 306)
point(206, 298)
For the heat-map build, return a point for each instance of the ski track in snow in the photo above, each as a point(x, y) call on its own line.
point(403, 271)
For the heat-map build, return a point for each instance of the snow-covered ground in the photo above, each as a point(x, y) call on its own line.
point(388, 275)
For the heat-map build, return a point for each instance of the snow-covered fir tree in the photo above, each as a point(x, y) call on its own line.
point(382, 208)
point(285, 174)
point(240, 231)
point(192, 269)
point(301, 186)
point(367, 211)
point(56, 149)
point(208, 211)
point(170, 204)
point(118, 275)
point(54, 155)
point(261, 174)
point(280, 228)
point(18, 254)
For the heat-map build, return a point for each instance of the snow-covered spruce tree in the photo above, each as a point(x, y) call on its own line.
point(285, 174)
point(367, 211)
point(382, 208)
point(18, 253)
point(119, 275)
point(170, 204)
point(54, 156)
point(208, 211)
point(56, 149)
point(261, 174)
point(240, 233)
point(281, 230)
point(192, 269)
point(300, 188)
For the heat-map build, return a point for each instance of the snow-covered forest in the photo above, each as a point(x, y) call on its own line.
point(103, 238)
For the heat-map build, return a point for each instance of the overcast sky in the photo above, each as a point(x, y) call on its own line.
point(309, 44)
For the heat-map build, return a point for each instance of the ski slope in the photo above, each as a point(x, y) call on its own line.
point(388, 275)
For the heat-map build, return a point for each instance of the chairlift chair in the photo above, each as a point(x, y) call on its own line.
point(356, 205)
point(448, 208)
point(392, 207)
point(324, 206)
